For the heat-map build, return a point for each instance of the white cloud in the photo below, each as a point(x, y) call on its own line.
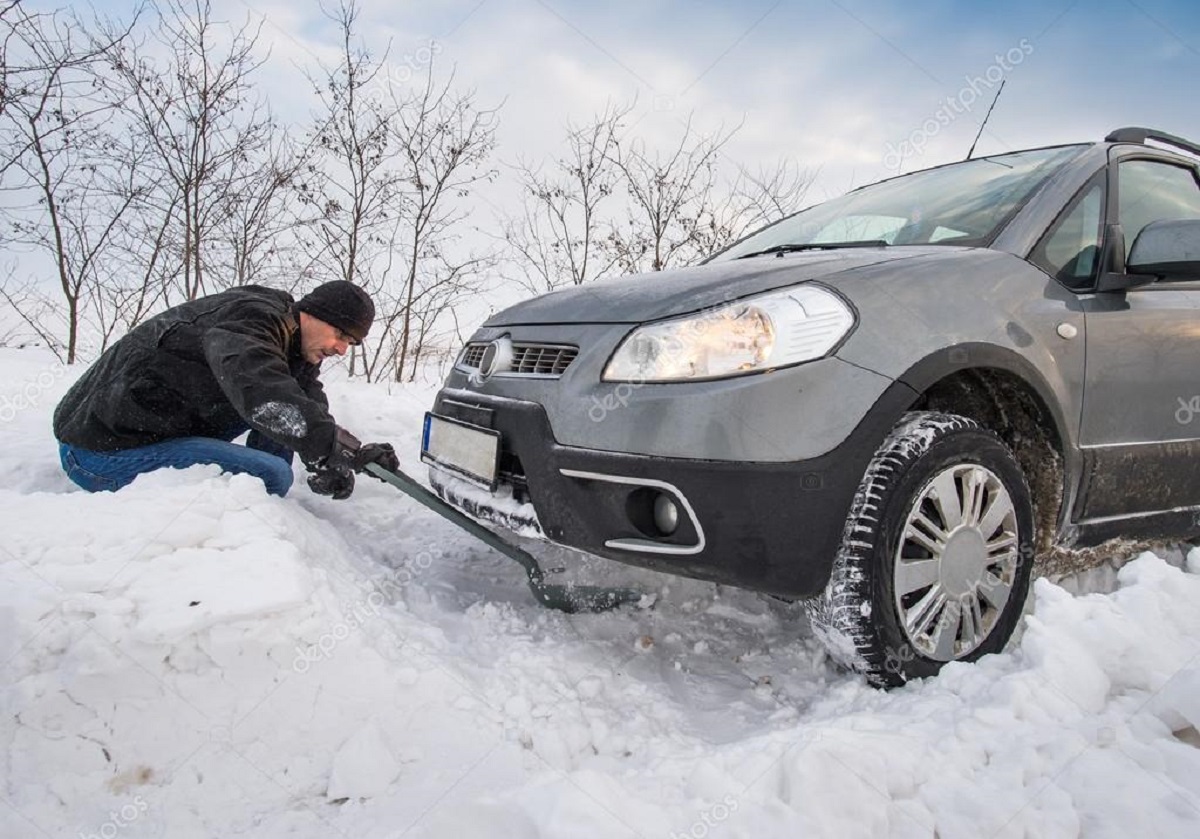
point(831, 85)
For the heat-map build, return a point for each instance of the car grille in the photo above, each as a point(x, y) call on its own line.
point(528, 359)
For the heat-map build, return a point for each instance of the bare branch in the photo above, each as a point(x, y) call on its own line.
point(205, 136)
point(395, 156)
point(560, 236)
point(676, 218)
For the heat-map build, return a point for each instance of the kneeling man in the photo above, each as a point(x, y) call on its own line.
point(178, 388)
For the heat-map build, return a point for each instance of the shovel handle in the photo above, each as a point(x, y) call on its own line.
point(421, 495)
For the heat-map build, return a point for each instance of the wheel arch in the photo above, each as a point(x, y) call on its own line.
point(1003, 391)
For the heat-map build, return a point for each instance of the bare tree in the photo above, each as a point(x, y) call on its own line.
point(64, 198)
point(560, 236)
point(37, 45)
point(610, 204)
point(356, 184)
point(766, 195)
point(445, 142)
point(676, 217)
point(260, 228)
point(392, 163)
point(208, 135)
point(354, 181)
point(39, 314)
point(436, 331)
point(142, 263)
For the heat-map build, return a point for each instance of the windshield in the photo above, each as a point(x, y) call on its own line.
point(958, 204)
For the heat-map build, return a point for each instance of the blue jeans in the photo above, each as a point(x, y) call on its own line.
point(261, 457)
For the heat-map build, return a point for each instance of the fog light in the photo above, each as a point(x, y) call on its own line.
point(666, 514)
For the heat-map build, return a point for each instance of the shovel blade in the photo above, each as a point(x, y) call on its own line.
point(565, 598)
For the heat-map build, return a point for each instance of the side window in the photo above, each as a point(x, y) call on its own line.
point(1152, 191)
point(1071, 249)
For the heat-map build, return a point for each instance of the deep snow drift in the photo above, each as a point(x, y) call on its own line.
point(190, 657)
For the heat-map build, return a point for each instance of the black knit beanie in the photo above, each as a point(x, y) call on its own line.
point(341, 304)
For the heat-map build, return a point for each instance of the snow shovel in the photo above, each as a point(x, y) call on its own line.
point(565, 598)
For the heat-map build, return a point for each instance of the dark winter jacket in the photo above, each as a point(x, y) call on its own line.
point(203, 369)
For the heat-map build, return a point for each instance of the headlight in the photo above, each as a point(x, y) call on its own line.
point(798, 324)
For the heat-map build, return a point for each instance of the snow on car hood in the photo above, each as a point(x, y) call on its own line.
point(645, 297)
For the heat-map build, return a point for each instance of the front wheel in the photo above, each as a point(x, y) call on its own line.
point(935, 558)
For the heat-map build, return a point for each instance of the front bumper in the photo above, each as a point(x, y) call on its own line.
point(768, 526)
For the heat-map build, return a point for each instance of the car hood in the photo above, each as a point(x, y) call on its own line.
point(645, 297)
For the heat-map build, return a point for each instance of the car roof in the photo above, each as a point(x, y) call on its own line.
point(1138, 135)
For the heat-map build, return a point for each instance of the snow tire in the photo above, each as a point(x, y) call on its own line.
point(943, 516)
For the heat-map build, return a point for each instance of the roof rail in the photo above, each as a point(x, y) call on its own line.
point(1141, 135)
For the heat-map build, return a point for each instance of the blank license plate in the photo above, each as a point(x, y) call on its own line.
point(467, 450)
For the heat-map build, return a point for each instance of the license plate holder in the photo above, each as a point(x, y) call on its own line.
point(466, 450)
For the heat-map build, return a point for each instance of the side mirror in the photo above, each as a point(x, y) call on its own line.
point(1114, 275)
point(1168, 249)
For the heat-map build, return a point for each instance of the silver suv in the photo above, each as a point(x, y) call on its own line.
point(887, 405)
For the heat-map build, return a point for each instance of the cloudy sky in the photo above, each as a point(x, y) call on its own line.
point(857, 88)
point(853, 89)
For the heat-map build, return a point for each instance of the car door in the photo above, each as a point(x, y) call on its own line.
point(1140, 430)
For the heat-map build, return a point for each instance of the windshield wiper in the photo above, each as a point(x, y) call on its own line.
point(816, 246)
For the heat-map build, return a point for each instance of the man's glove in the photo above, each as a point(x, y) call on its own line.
point(338, 483)
point(380, 453)
point(333, 474)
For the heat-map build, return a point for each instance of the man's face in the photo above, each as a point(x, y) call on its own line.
point(319, 340)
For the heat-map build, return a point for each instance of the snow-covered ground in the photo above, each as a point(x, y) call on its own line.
point(190, 657)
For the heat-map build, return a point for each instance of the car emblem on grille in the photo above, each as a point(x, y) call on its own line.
point(497, 358)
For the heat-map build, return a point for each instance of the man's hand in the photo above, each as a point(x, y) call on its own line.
point(338, 483)
point(380, 453)
point(332, 475)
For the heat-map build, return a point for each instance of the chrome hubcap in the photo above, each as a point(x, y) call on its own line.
point(956, 562)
